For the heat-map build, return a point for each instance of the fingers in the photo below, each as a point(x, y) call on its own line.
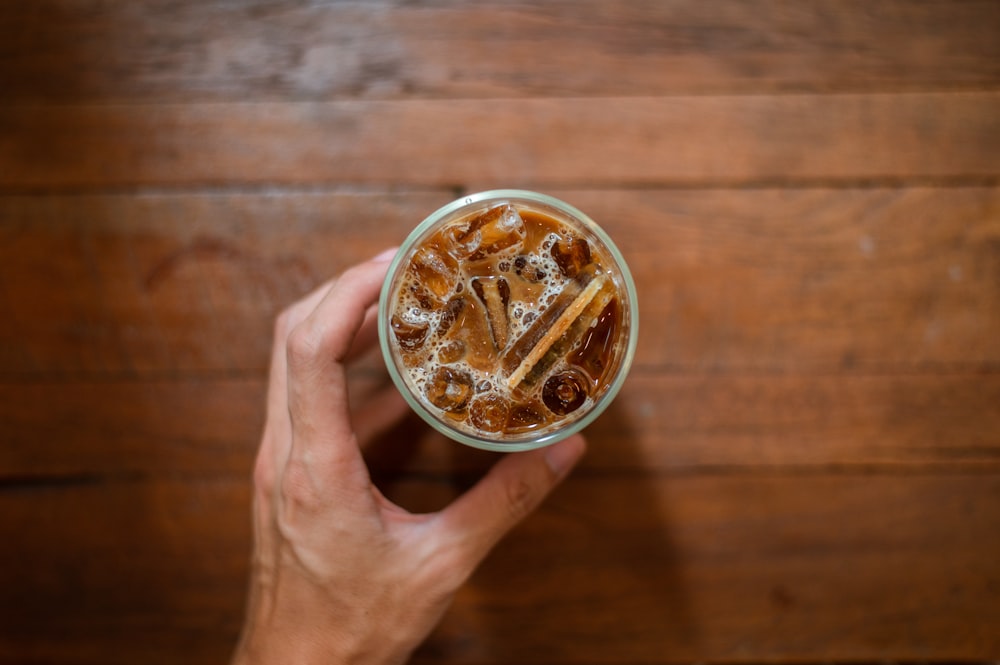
point(368, 332)
point(316, 350)
point(275, 444)
point(277, 437)
point(290, 318)
point(511, 490)
point(366, 336)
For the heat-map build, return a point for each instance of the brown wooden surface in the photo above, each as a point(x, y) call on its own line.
point(805, 463)
point(792, 279)
point(183, 50)
point(552, 142)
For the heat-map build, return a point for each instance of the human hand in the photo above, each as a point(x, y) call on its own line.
point(340, 573)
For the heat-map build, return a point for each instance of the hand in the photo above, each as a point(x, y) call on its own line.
point(340, 573)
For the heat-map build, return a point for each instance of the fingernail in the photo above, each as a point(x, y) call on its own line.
point(562, 456)
point(385, 255)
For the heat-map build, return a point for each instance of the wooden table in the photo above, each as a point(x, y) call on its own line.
point(805, 462)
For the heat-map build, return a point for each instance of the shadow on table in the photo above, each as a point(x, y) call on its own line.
point(594, 574)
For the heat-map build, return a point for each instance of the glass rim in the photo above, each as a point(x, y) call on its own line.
point(528, 441)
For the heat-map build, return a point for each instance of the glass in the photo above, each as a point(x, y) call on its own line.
point(508, 320)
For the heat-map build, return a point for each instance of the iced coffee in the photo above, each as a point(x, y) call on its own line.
point(509, 319)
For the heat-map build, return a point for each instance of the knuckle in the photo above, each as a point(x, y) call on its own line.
point(519, 498)
point(298, 490)
point(303, 346)
point(300, 502)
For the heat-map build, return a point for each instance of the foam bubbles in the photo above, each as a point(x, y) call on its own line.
point(445, 352)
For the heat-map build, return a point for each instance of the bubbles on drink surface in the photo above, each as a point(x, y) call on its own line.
point(529, 268)
point(502, 321)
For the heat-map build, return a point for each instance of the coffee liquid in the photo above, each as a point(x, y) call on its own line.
point(508, 322)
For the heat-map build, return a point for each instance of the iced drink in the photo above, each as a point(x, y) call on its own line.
point(508, 320)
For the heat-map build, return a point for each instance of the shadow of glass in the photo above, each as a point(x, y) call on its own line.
point(595, 573)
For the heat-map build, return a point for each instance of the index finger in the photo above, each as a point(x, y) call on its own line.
point(317, 348)
point(276, 442)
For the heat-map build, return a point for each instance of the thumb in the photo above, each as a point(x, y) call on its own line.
point(511, 490)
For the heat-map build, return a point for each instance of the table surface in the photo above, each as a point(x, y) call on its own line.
point(804, 464)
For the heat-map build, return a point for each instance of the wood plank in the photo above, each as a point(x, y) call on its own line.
point(505, 142)
point(149, 572)
point(747, 569)
point(81, 429)
point(162, 283)
point(748, 280)
point(658, 423)
point(72, 50)
point(645, 569)
point(805, 464)
point(779, 280)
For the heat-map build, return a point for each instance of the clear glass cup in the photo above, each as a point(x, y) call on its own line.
point(598, 299)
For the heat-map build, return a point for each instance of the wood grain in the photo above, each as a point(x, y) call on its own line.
point(78, 50)
point(199, 426)
point(167, 284)
point(123, 572)
point(505, 142)
point(748, 280)
point(636, 568)
point(741, 569)
point(783, 280)
point(804, 465)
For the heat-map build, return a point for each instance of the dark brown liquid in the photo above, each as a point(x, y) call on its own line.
point(508, 323)
point(596, 349)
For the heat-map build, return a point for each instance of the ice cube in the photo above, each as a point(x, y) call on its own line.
point(524, 417)
point(462, 239)
point(452, 352)
point(494, 293)
point(571, 254)
point(489, 412)
point(436, 271)
point(450, 314)
point(565, 392)
point(583, 330)
point(497, 229)
point(534, 343)
point(410, 328)
point(449, 389)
